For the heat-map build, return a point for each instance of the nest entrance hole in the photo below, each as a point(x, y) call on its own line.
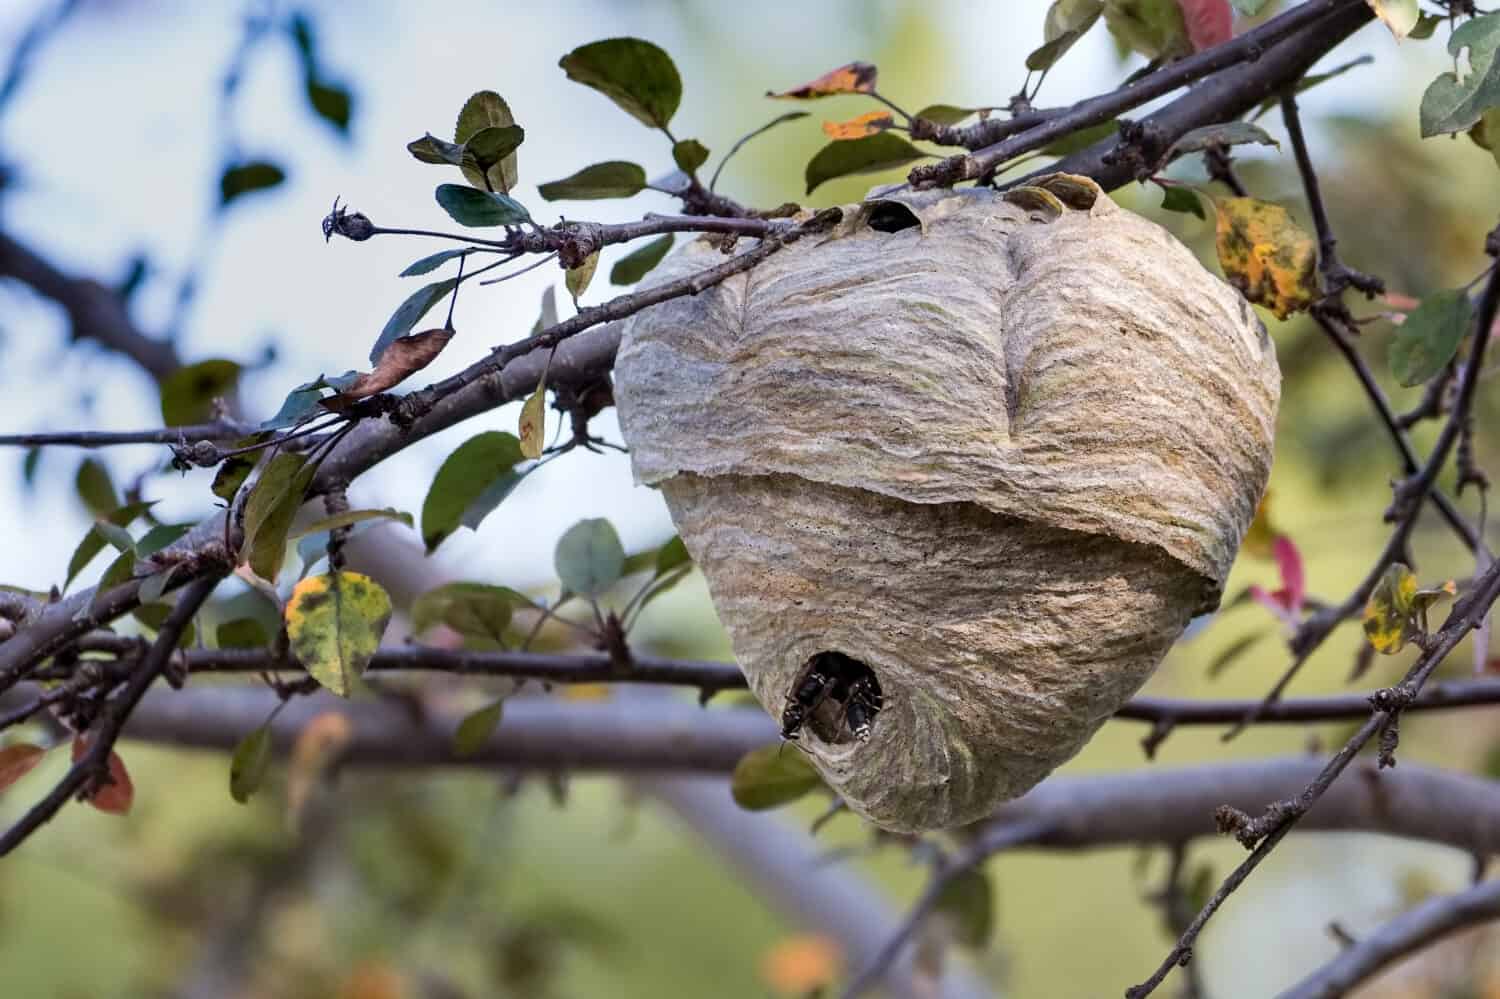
point(834, 696)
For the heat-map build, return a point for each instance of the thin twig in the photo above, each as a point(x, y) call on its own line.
point(220, 430)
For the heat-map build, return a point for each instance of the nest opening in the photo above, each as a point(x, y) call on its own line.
point(892, 216)
point(835, 697)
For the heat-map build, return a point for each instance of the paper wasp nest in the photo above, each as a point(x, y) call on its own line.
point(995, 449)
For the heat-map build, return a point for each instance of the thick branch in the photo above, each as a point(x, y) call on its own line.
point(1406, 934)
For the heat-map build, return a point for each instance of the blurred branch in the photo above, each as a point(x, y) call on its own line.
point(220, 430)
point(95, 311)
point(42, 28)
point(1275, 54)
point(1406, 934)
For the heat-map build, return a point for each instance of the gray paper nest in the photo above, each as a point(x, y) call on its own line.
point(1000, 456)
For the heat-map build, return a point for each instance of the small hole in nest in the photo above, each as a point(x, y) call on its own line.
point(891, 216)
point(835, 696)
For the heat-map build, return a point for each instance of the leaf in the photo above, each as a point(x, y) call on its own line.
point(689, 154)
point(487, 150)
point(154, 585)
point(1154, 28)
point(1388, 615)
point(532, 427)
point(611, 179)
point(772, 776)
point(234, 470)
point(638, 76)
point(1400, 16)
point(589, 558)
point(1425, 27)
point(476, 728)
point(1486, 132)
point(1229, 133)
point(1179, 198)
point(321, 742)
point(1209, 22)
point(116, 536)
point(1266, 255)
point(474, 610)
point(480, 209)
point(671, 555)
point(154, 615)
point(1429, 336)
point(331, 102)
point(778, 120)
point(240, 179)
point(578, 278)
point(159, 537)
point(485, 109)
point(872, 154)
point(872, 123)
point(117, 572)
point(638, 263)
point(1451, 105)
point(348, 517)
point(248, 765)
point(399, 360)
point(804, 965)
point(242, 633)
point(334, 623)
point(1067, 21)
point(93, 542)
point(853, 78)
point(432, 262)
point(304, 401)
point(494, 494)
point(968, 903)
point(269, 509)
point(187, 394)
point(1287, 602)
point(95, 487)
point(408, 313)
point(430, 149)
point(946, 114)
point(547, 318)
point(115, 794)
point(18, 760)
point(463, 477)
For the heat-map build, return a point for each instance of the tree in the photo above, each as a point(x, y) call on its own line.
point(307, 647)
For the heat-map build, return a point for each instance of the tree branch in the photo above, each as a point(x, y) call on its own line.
point(221, 430)
point(1406, 934)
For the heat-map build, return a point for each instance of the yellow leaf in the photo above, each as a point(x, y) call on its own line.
point(1388, 613)
point(335, 623)
point(533, 427)
point(577, 279)
point(1266, 255)
point(855, 78)
point(1400, 16)
point(858, 128)
point(801, 964)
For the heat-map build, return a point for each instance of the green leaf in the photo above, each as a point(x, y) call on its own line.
point(494, 494)
point(638, 76)
point(483, 110)
point(409, 312)
point(348, 517)
point(234, 470)
point(873, 154)
point(334, 623)
point(117, 572)
point(476, 728)
point(331, 102)
point(968, 903)
point(671, 555)
point(95, 488)
point(663, 584)
point(1387, 617)
point(242, 633)
point(1429, 337)
point(946, 114)
point(430, 149)
point(187, 394)
point(611, 179)
point(474, 610)
point(93, 542)
point(638, 263)
point(302, 401)
point(431, 263)
point(1154, 28)
point(480, 209)
point(1451, 105)
point(240, 179)
point(489, 146)
point(1425, 27)
point(269, 509)
point(578, 278)
point(690, 154)
point(1067, 21)
point(772, 776)
point(1182, 199)
point(160, 537)
point(1229, 133)
point(248, 766)
point(589, 558)
point(155, 585)
point(115, 536)
point(463, 478)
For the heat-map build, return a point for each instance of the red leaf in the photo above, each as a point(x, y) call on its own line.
point(1209, 22)
point(1293, 582)
point(118, 794)
point(16, 762)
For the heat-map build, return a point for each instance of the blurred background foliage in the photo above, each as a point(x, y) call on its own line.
point(113, 148)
